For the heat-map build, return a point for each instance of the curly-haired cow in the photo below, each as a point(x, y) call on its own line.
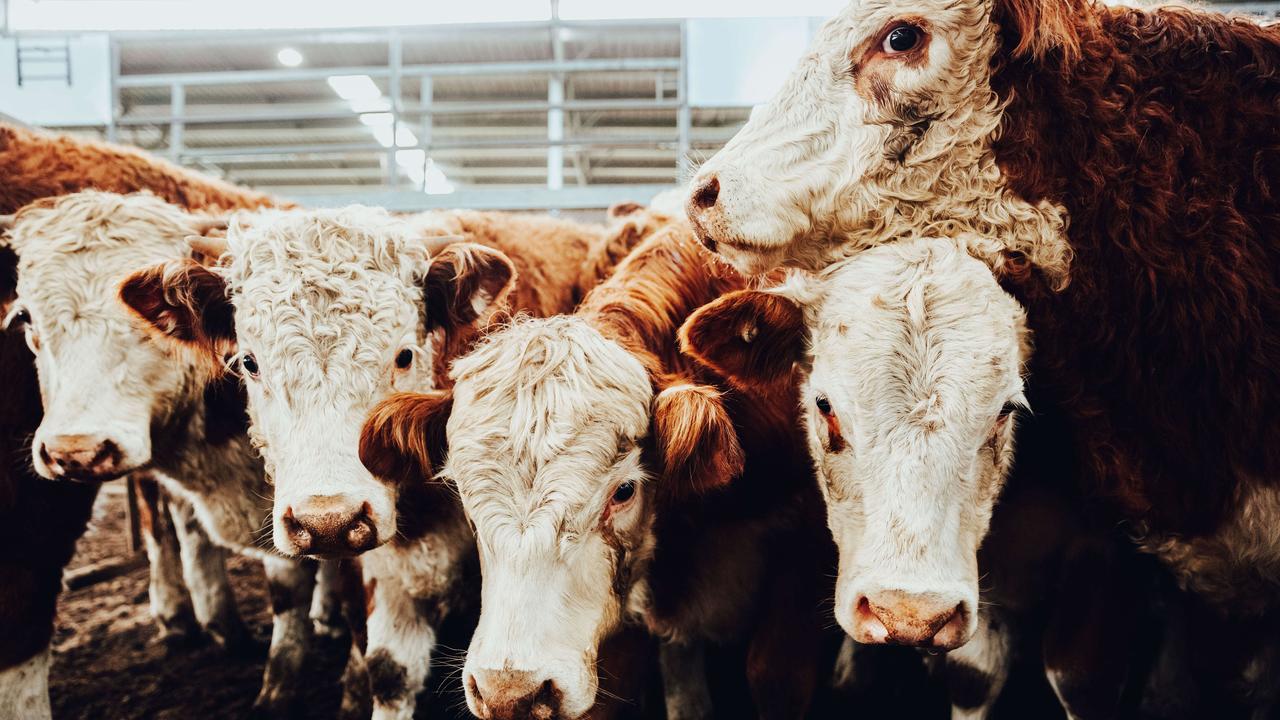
point(1122, 166)
point(327, 312)
point(607, 477)
point(42, 520)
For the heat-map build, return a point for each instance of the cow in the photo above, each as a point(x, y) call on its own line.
point(1122, 164)
point(910, 359)
point(116, 402)
point(608, 478)
point(327, 312)
point(43, 520)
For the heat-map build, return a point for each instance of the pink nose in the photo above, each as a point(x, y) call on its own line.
point(81, 457)
point(330, 526)
point(894, 617)
point(513, 695)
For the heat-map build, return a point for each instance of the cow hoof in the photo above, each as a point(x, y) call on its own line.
point(177, 642)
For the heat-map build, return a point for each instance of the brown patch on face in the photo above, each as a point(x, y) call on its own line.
point(623, 560)
point(873, 68)
point(835, 439)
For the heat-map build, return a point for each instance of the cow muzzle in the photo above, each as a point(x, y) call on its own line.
point(329, 526)
point(513, 695)
point(87, 458)
point(939, 621)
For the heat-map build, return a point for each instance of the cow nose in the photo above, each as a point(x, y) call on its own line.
point(81, 457)
point(514, 695)
point(330, 526)
point(706, 194)
point(895, 617)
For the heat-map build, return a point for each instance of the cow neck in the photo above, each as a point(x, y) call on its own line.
point(1157, 348)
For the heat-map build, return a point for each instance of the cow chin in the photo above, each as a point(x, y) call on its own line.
point(332, 515)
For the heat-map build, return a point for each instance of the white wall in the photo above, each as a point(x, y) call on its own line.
point(742, 62)
point(53, 103)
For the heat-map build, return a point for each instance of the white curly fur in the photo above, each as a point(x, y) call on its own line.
point(826, 169)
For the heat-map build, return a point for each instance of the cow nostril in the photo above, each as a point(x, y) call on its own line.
point(361, 534)
point(297, 533)
point(44, 455)
point(707, 194)
point(108, 454)
point(474, 687)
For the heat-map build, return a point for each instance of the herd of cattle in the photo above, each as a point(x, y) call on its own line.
point(969, 341)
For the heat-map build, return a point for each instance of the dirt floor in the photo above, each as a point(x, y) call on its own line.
point(107, 663)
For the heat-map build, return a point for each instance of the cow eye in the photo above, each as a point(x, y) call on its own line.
point(19, 318)
point(901, 39)
point(824, 405)
point(249, 364)
point(623, 493)
point(404, 359)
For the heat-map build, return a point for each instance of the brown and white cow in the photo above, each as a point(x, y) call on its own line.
point(116, 402)
point(910, 357)
point(41, 520)
point(328, 312)
point(1122, 160)
point(608, 478)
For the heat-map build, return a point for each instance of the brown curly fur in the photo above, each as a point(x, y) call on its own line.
point(1158, 131)
point(41, 520)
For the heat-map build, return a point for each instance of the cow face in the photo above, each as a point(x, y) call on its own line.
point(883, 131)
point(107, 388)
point(333, 311)
point(912, 361)
point(562, 456)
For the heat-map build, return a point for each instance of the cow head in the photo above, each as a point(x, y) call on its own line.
point(884, 130)
point(563, 454)
point(333, 311)
point(107, 388)
point(912, 356)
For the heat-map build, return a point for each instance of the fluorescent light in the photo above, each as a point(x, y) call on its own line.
point(377, 119)
point(289, 57)
point(435, 182)
point(355, 87)
point(370, 105)
point(405, 137)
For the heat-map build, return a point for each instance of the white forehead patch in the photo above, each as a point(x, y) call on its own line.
point(74, 251)
point(541, 409)
point(917, 331)
point(317, 290)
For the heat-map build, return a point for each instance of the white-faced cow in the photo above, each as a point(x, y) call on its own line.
point(42, 520)
point(608, 478)
point(327, 313)
point(1123, 161)
point(910, 359)
point(116, 402)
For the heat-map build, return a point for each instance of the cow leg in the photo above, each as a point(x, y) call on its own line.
point(785, 651)
point(290, 583)
point(326, 602)
point(24, 689)
point(204, 567)
point(684, 680)
point(402, 638)
point(976, 672)
point(170, 604)
point(356, 702)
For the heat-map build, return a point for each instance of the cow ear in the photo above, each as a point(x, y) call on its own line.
point(697, 442)
point(625, 209)
point(1032, 29)
point(404, 438)
point(186, 301)
point(464, 282)
point(750, 337)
